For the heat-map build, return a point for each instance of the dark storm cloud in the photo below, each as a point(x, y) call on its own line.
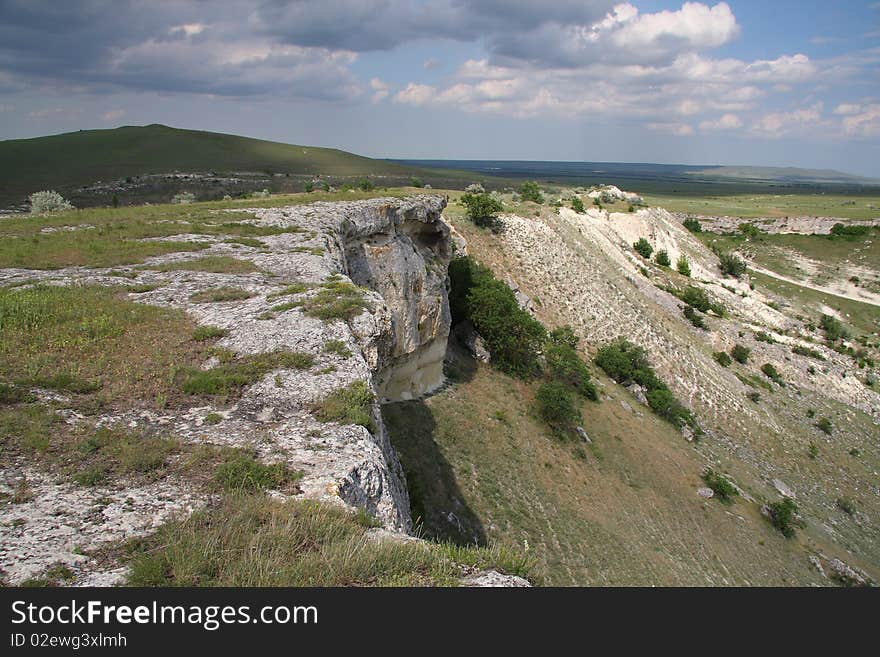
point(235, 47)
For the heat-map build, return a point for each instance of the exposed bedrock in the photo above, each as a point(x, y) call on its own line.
point(401, 250)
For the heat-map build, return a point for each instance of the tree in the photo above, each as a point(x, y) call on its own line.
point(577, 205)
point(555, 405)
point(662, 258)
point(643, 248)
point(481, 209)
point(48, 201)
point(693, 225)
point(529, 191)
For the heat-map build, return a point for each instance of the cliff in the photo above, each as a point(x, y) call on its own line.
point(394, 250)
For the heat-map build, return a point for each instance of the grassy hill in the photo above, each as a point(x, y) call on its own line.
point(76, 159)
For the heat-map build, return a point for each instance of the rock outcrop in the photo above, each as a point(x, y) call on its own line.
point(397, 250)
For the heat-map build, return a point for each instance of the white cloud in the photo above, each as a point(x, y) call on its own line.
point(416, 94)
point(189, 29)
point(113, 115)
point(725, 122)
point(778, 124)
point(380, 88)
point(695, 25)
point(860, 120)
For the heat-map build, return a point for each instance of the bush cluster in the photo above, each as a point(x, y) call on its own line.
point(48, 201)
point(723, 358)
point(842, 230)
point(625, 362)
point(643, 248)
point(720, 485)
point(578, 205)
point(662, 259)
point(834, 329)
point(683, 266)
point(693, 225)
point(530, 191)
point(782, 515)
point(481, 209)
point(512, 335)
point(731, 265)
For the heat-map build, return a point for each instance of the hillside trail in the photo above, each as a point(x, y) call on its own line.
point(866, 297)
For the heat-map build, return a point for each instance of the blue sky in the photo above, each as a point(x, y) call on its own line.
point(780, 83)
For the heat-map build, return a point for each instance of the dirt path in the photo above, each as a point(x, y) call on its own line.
point(864, 297)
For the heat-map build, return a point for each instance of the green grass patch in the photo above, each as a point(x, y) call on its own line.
point(248, 540)
point(203, 333)
point(337, 347)
point(83, 339)
point(241, 472)
point(336, 300)
point(349, 405)
point(213, 264)
point(221, 294)
point(230, 377)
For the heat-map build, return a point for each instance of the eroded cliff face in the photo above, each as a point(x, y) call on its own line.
point(402, 253)
point(396, 249)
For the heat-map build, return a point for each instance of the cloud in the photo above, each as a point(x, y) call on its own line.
point(861, 120)
point(778, 124)
point(113, 115)
point(416, 94)
point(381, 89)
point(725, 122)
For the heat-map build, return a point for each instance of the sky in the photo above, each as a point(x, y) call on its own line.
point(742, 82)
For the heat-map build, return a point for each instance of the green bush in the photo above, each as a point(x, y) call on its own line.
point(555, 405)
point(782, 516)
point(48, 201)
point(662, 258)
point(720, 485)
point(723, 358)
point(481, 209)
point(511, 334)
point(834, 329)
point(695, 318)
point(771, 373)
point(824, 425)
point(665, 404)
point(643, 248)
point(693, 225)
point(683, 266)
point(565, 366)
point(842, 230)
point(530, 191)
point(621, 359)
point(731, 265)
point(699, 299)
point(578, 205)
point(464, 274)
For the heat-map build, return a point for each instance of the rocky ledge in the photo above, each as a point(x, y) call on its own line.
point(395, 250)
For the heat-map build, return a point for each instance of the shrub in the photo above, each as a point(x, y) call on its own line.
point(664, 404)
point(782, 516)
point(731, 265)
point(662, 258)
point(349, 405)
point(416, 182)
point(771, 373)
point(643, 248)
point(309, 187)
point(695, 318)
point(693, 225)
point(621, 359)
point(834, 329)
point(722, 358)
point(183, 198)
point(750, 230)
point(824, 425)
point(720, 485)
point(464, 274)
point(366, 185)
point(48, 201)
point(807, 351)
point(577, 205)
point(683, 266)
point(763, 336)
point(842, 230)
point(481, 209)
point(511, 334)
point(699, 299)
point(529, 191)
point(565, 366)
point(555, 405)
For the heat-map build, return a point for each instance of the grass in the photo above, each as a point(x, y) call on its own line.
point(203, 333)
point(90, 340)
point(336, 300)
point(242, 472)
point(230, 377)
point(349, 405)
point(221, 294)
point(248, 540)
point(337, 347)
point(213, 264)
point(295, 288)
point(857, 206)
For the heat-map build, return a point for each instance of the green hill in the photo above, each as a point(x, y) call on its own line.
point(76, 159)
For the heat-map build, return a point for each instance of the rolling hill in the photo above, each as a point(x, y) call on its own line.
point(76, 159)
